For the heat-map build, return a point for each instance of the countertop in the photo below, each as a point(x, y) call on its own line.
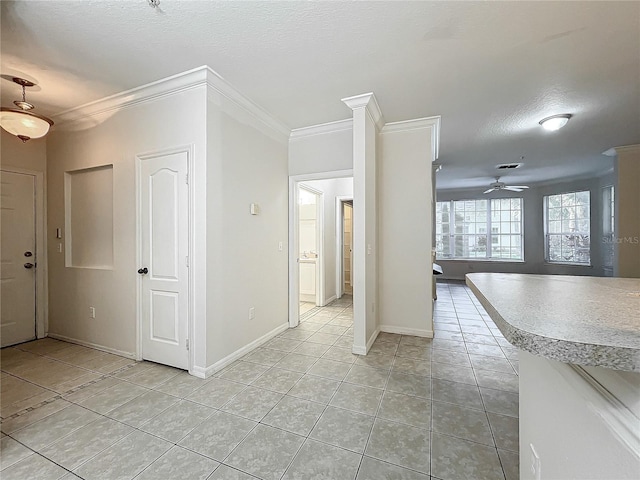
point(581, 320)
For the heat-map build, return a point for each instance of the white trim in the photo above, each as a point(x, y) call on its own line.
point(331, 299)
point(96, 346)
point(615, 151)
point(618, 418)
point(416, 332)
point(370, 103)
point(205, 372)
point(172, 85)
point(330, 127)
point(426, 122)
point(42, 261)
point(319, 240)
point(358, 350)
point(340, 200)
point(189, 150)
point(294, 304)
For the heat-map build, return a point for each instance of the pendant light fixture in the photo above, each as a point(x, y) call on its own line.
point(20, 121)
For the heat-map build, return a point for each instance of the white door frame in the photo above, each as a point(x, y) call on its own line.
point(340, 201)
point(294, 271)
point(189, 150)
point(41, 300)
point(320, 297)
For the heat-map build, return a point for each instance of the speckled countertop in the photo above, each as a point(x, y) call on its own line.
point(582, 320)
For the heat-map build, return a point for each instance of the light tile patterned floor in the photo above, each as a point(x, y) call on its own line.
point(300, 407)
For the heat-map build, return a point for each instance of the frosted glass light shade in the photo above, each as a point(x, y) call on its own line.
point(24, 125)
point(555, 122)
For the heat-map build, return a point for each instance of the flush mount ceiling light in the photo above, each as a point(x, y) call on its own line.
point(555, 122)
point(20, 121)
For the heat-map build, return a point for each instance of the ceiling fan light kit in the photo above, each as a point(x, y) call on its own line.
point(555, 122)
point(20, 121)
point(498, 185)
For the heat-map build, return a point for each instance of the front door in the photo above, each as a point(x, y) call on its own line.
point(164, 226)
point(18, 257)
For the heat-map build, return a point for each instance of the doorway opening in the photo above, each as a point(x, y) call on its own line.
point(310, 228)
point(316, 240)
point(344, 260)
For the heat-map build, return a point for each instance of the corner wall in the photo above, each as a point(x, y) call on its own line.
point(405, 212)
point(244, 266)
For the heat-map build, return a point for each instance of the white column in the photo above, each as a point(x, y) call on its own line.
point(367, 121)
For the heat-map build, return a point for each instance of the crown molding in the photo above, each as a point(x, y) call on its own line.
point(322, 128)
point(370, 103)
point(614, 151)
point(432, 123)
point(172, 85)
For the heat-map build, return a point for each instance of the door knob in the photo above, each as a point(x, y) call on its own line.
point(143, 271)
point(28, 254)
point(29, 265)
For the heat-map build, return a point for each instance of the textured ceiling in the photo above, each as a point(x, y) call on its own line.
point(491, 69)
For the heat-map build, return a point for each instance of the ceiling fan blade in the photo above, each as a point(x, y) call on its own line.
point(518, 186)
point(512, 189)
point(490, 190)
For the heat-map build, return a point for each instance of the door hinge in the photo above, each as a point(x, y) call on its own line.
point(187, 344)
point(186, 179)
point(186, 260)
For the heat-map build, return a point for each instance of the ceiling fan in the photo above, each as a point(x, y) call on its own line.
point(498, 185)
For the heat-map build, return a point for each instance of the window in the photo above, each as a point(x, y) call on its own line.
point(608, 218)
point(479, 229)
point(567, 228)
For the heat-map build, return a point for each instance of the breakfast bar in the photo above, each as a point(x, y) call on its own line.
point(579, 360)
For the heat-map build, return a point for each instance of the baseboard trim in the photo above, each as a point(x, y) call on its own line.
point(416, 332)
point(360, 350)
point(205, 372)
point(329, 300)
point(92, 345)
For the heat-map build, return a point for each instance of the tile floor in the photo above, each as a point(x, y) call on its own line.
point(300, 407)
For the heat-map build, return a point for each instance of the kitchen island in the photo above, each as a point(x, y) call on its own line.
point(579, 357)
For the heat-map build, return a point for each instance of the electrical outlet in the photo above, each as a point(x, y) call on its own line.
point(535, 463)
point(252, 313)
point(92, 312)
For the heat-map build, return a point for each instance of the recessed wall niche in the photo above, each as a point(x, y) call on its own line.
point(88, 199)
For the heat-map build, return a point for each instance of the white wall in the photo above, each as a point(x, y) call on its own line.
point(331, 188)
point(533, 228)
point(322, 152)
point(576, 431)
point(405, 213)
point(116, 137)
point(627, 225)
point(31, 155)
point(244, 266)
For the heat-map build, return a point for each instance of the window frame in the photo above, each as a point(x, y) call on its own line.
point(546, 233)
point(489, 232)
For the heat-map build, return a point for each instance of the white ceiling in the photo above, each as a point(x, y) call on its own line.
point(491, 69)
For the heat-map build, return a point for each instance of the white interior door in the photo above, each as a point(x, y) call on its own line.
point(18, 257)
point(164, 218)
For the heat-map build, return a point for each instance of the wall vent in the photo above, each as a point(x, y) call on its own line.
point(508, 166)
